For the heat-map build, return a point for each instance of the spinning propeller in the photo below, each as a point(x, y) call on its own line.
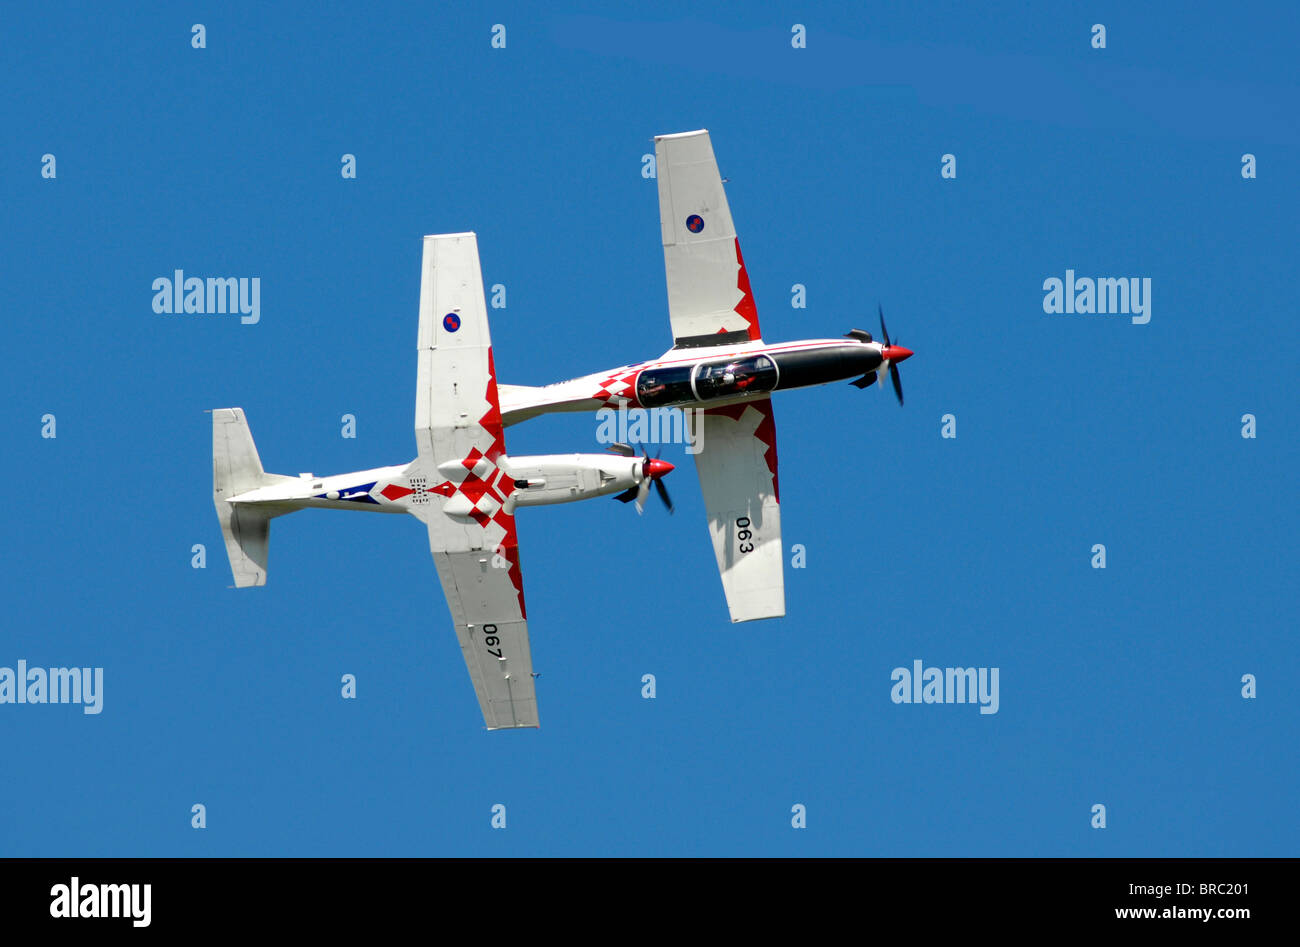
point(893, 354)
point(890, 355)
point(653, 470)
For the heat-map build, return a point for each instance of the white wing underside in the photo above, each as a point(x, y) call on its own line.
point(708, 290)
point(738, 476)
point(459, 435)
point(481, 607)
point(710, 303)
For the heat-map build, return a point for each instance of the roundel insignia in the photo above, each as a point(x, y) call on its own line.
point(695, 223)
point(451, 322)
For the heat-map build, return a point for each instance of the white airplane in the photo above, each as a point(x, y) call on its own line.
point(466, 489)
point(720, 366)
point(462, 485)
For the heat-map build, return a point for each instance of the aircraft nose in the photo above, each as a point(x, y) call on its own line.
point(659, 468)
point(896, 353)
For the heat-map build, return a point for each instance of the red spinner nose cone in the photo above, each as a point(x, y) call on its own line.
point(896, 353)
point(659, 468)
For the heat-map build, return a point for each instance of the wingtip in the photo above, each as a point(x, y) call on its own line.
point(698, 131)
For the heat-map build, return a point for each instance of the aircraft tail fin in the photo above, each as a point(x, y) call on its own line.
point(236, 469)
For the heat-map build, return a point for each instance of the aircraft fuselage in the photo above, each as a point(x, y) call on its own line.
point(700, 376)
point(512, 482)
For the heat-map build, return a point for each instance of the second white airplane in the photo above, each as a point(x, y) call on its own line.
point(462, 485)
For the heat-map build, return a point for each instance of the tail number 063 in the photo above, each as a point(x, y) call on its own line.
point(743, 534)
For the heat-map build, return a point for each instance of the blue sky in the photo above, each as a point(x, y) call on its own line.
point(1119, 686)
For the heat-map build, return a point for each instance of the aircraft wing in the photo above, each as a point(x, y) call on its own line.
point(737, 470)
point(493, 632)
point(460, 492)
point(709, 301)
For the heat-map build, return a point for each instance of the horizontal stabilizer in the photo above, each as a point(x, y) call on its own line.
point(247, 533)
point(237, 469)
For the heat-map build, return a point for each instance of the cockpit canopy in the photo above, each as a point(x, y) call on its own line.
point(726, 378)
point(706, 381)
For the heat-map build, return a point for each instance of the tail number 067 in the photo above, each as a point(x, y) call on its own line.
point(743, 534)
point(491, 639)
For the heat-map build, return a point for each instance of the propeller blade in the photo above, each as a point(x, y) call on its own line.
point(622, 450)
point(883, 331)
point(627, 496)
point(897, 380)
point(642, 491)
point(663, 494)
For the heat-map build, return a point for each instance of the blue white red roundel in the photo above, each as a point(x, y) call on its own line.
point(695, 223)
point(451, 322)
